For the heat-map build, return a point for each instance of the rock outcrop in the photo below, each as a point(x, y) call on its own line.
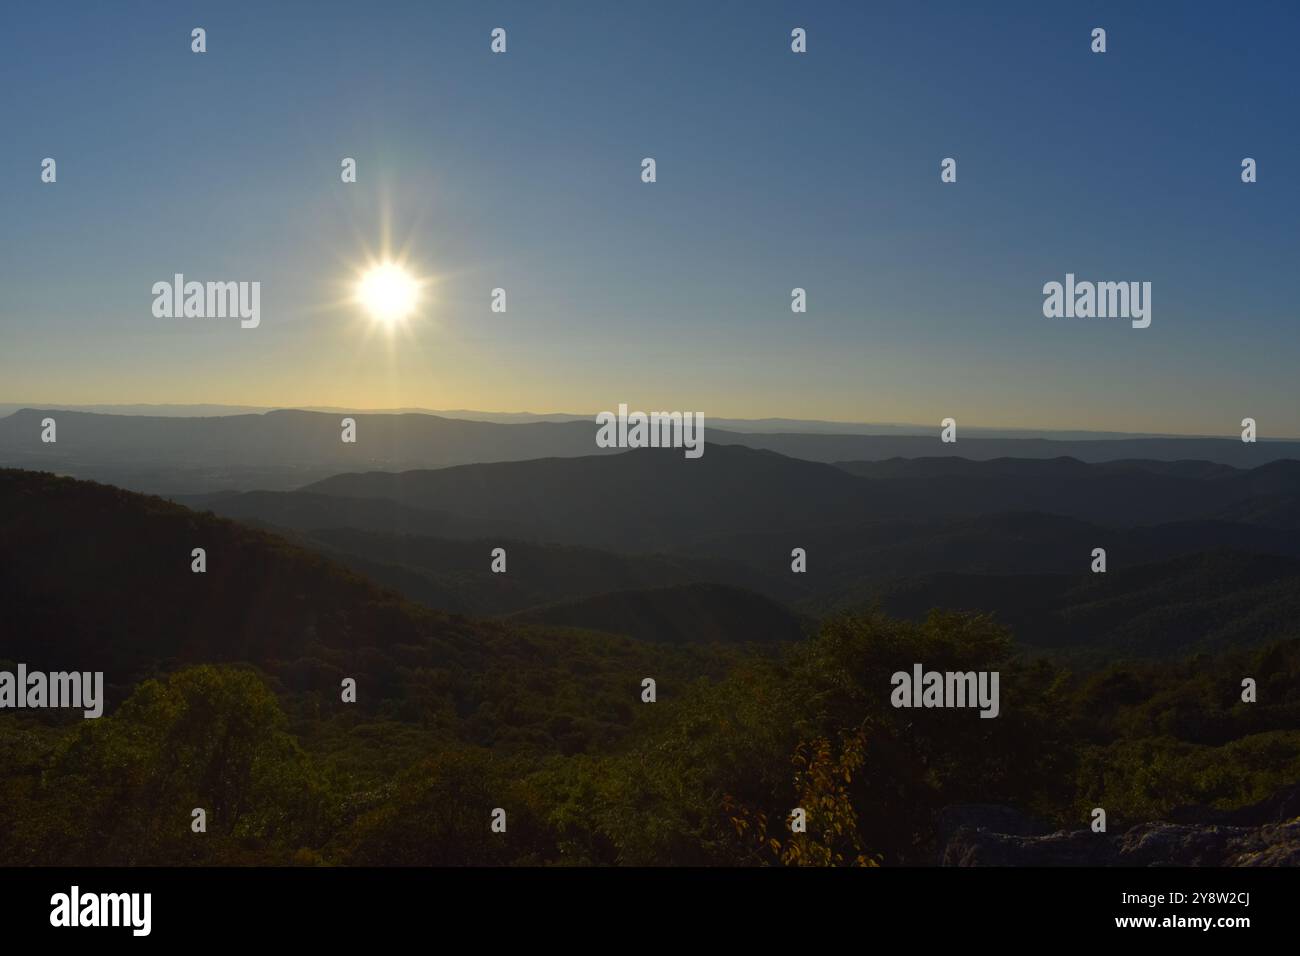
point(1267, 834)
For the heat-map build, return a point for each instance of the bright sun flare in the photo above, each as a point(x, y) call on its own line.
point(388, 292)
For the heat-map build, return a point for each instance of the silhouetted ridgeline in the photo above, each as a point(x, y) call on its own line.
point(284, 449)
point(931, 528)
point(613, 501)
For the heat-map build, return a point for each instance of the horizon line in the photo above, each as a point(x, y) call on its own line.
point(1035, 433)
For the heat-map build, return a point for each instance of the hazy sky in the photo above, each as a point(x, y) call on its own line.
point(775, 170)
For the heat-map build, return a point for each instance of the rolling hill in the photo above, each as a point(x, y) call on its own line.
point(96, 578)
point(284, 449)
point(655, 499)
point(684, 614)
point(1204, 603)
point(638, 501)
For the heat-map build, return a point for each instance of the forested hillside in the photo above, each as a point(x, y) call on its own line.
point(225, 695)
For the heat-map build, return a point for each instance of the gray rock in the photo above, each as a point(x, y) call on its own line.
point(1146, 844)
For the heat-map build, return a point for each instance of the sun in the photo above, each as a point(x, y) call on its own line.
point(388, 292)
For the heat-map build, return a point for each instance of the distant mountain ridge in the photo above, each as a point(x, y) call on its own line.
point(848, 564)
point(1170, 588)
point(764, 425)
point(654, 499)
point(286, 449)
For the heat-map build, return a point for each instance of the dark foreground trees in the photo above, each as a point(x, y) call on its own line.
point(710, 774)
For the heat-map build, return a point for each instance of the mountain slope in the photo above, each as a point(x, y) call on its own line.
point(645, 500)
point(686, 614)
point(1199, 603)
point(305, 511)
point(656, 499)
point(96, 578)
point(457, 576)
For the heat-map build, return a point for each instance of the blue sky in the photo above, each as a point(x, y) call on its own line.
point(774, 170)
